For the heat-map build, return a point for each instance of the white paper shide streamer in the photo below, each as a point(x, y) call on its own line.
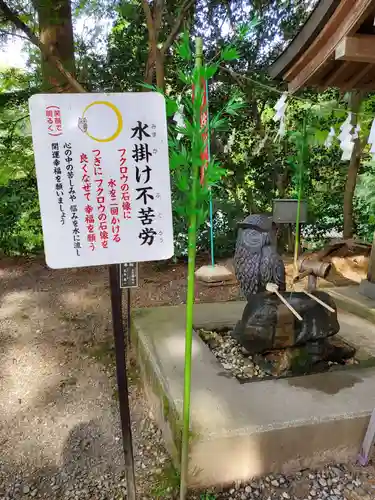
point(371, 139)
point(228, 147)
point(346, 138)
point(280, 108)
point(356, 131)
point(178, 117)
point(329, 140)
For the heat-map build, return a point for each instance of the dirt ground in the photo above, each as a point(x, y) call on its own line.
point(58, 410)
point(59, 429)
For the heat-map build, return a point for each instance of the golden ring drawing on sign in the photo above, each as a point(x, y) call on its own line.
point(83, 123)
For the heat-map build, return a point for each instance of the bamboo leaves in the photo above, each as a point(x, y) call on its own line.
point(188, 139)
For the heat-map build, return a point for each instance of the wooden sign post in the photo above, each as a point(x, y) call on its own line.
point(129, 280)
point(103, 178)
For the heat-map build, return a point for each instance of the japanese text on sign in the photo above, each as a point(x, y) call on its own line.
point(106, 197)
point(129, 275)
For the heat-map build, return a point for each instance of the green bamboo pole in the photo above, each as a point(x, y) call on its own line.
point(192, 242)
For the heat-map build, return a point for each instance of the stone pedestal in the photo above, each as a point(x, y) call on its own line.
point(215, 274)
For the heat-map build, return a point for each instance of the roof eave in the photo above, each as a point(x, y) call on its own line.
point(314, 24)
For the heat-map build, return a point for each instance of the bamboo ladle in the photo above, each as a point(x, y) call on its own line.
point(273, 288)
point(319, 301)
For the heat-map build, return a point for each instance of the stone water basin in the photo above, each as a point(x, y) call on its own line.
point(243, 430)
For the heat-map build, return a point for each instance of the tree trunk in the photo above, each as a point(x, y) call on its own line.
point(150, 68)
point(159, 67)
point(371, 263)
point(156, 53)
point(155, 62)
point(56, 33)
point(355, 161)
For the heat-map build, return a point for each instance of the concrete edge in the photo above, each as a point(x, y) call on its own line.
point(352, 306)
point(161, 401)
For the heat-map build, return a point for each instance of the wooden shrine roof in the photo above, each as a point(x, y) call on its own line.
point(335, 48)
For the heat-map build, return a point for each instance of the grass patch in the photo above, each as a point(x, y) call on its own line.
point(166, 484)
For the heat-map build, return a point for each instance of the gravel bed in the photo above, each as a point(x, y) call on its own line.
point(236, 360)
point(336, 482)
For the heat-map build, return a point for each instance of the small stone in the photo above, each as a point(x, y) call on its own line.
point(275, 483)
point(285, 495)
point(248, 489)
point(336, 471)
point(322, 482)
point(26, 489)
point(34, 493)
point(313, 493)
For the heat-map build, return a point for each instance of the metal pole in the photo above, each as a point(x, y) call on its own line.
point(122, 379)
point(129, 315)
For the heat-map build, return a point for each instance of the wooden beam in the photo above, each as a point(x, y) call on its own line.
point(337, 74)
point(358, 48)
point(359, 11)
point(309, 32)
point(341, 13)
point(355, 79)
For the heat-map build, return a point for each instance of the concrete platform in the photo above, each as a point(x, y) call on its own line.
point(244, 430)
point(351, 300)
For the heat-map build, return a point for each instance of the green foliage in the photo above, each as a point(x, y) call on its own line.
point(229, 54)
point(166, 483)
point(247, 177)
point(365, 202)
point(186, 153)
point(20, 226)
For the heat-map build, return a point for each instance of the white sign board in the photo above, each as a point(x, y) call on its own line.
point(103, 177)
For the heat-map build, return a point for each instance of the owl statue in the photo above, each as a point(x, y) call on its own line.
point(256, 261)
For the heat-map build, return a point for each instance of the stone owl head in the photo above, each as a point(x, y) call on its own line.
point(256, 232)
